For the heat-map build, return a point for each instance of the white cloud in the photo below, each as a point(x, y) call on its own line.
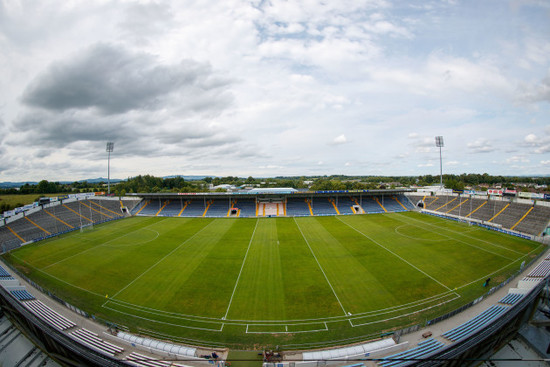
point(480, 145)
point(540, 144)
point(229, 88)
point(340, 139)
point(517, 159)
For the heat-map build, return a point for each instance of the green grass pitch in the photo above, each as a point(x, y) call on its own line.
point(294, 282)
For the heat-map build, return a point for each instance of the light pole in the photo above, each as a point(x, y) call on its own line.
point(439, 143)
point(110, 146)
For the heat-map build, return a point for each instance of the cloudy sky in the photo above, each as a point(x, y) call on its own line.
point(273, 87)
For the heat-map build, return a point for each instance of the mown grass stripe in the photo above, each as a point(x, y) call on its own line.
point(240, 271)
point(161, 260)
point(394, 254)
point(320, 267)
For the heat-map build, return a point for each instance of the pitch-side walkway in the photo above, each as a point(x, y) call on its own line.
point(468, 314)
point(103, 331)
point(441, 327)
point(413, 338)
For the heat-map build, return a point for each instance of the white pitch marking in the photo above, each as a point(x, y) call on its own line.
point(393, 253)
point(320, 267)
point(158, 262)
point(242, 267)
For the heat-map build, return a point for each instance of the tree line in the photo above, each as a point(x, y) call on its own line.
point(148, 183)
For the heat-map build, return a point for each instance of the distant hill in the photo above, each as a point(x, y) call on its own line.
point(10, 184)
point(189, 178)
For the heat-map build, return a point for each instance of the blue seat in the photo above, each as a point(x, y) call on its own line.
point(22, 295)
point(4, 273)
point(423, 349)
point(462, 331)
point(511, 298)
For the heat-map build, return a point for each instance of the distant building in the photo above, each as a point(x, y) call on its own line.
point(226, 187)
point(273, 190)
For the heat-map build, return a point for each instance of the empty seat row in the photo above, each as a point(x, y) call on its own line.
point(345, 205)
point(247, 207)
point(93, 341)
point(322, 206)
point(46, 313)
point(423, 349)
point(511, 298)
point(541, 271)
point(22, 295)
point(137, 359)
point(483, 319)
point(4, 273)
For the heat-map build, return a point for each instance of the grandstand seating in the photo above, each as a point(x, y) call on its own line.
point(431, 202)
point(69, 216)
point(173, 208)
point(8, 239)
point(218, 208)
point(50, 316)
point(321, 206)
point(541, 270)
point(406, 202)
point(297, 207)
point(93, 341)
point(195, 208)
point(511, 298)
point(26, 230)
point(49, 222)
point(270, 209)
point(247, 207)
point(22, 295)
point(152, 208)
point(58, 219)
point(393, 204)
point(140, 360)
point(344, 205)
point(4, 273)
point(407, 357)
point(522, 217)
point(509, 216)
point(536, 221)
point(370, 205)
point(86, 210)
point(111, 207)
point(483, 319)
point(459, 207)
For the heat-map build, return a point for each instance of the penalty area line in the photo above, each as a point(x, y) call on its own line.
point(165, 256)
point(166, 323)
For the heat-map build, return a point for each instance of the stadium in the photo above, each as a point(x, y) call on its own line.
point(362, 278)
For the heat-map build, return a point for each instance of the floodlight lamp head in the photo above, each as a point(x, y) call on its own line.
point(439, 141)
point(110, 146)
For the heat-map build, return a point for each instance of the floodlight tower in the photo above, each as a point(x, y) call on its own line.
point(439, 143)
point(110, 147)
